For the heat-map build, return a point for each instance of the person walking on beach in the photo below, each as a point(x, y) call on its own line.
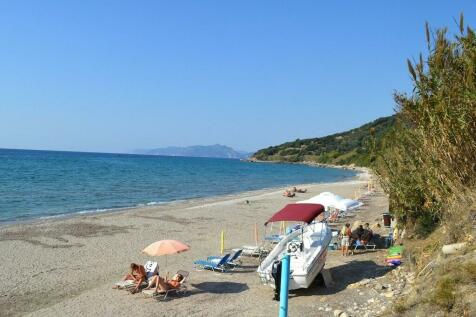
point(345, 243)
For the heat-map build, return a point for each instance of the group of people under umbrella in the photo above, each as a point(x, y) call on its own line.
point(138, 274)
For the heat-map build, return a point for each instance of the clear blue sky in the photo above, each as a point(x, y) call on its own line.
point(115, 76)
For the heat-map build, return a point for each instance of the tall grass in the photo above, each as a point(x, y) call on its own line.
point(428, 162)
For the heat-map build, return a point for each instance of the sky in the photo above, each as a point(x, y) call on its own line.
point(114, 76)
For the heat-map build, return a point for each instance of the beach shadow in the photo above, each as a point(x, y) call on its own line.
point(344, 275)
point(167, 218)
point(243, 269)
point(219, 288)
point(379, 241)
point(39, 235)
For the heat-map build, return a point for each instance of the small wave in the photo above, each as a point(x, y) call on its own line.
point(51, 216)
point(96, 210)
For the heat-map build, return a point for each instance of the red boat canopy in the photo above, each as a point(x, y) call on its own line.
point(297, 212)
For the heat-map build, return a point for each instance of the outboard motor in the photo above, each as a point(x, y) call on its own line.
point(276, 273)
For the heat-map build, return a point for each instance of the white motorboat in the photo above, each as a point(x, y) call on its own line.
point(307, 246)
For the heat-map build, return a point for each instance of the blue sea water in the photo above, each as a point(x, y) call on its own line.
point(35, 184)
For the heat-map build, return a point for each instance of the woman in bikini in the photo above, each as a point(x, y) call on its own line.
point(163, 285)
point(136, 274)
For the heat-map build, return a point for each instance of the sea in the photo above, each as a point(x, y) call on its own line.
point(41, 184)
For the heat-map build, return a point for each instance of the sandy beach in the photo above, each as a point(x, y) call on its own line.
point(66, 267)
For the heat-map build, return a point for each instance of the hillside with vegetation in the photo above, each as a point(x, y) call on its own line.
point(355, 146)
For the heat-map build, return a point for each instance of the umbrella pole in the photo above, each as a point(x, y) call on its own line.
point(166, 269)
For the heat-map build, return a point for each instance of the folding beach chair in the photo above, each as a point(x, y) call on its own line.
point(233, 260)
point(213, 265)
point(181, 289)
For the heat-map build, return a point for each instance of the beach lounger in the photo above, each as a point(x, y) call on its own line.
point(233, 260)
point(335, 240)
point(334, 216)
point(274, 238)
point(255, 251)
point(213, 265)
point(368, 246)
point(180, 290)
point(125, 284)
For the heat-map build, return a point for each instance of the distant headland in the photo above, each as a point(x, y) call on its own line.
point(215, 151)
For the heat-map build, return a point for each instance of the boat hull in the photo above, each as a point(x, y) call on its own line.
point(301, 280)
point(305, 264)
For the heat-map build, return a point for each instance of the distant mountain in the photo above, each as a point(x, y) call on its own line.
point(217, 151)
point(349, 147)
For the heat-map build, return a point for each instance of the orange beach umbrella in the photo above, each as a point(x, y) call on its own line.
point(166, 247)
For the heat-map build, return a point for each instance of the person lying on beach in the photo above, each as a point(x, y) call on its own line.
point(297, 190)
point(288, 193)
point(137, 274)
point(163, 285)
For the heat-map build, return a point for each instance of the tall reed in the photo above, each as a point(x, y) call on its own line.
point(427, 164)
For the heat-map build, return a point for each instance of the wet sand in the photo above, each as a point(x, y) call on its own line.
point(67, 267)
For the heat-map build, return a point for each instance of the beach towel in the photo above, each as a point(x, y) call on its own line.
point(394, 255)
point(125, 284)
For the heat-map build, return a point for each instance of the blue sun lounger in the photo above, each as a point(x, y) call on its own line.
point(232, 260)
point(213, 265)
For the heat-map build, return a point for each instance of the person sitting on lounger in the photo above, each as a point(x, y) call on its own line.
point(357, 233)
point(137, 274)
point(164, 285)
point(367, 234)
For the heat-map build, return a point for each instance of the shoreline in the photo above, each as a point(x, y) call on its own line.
point(351, 167)
point(104, 211)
